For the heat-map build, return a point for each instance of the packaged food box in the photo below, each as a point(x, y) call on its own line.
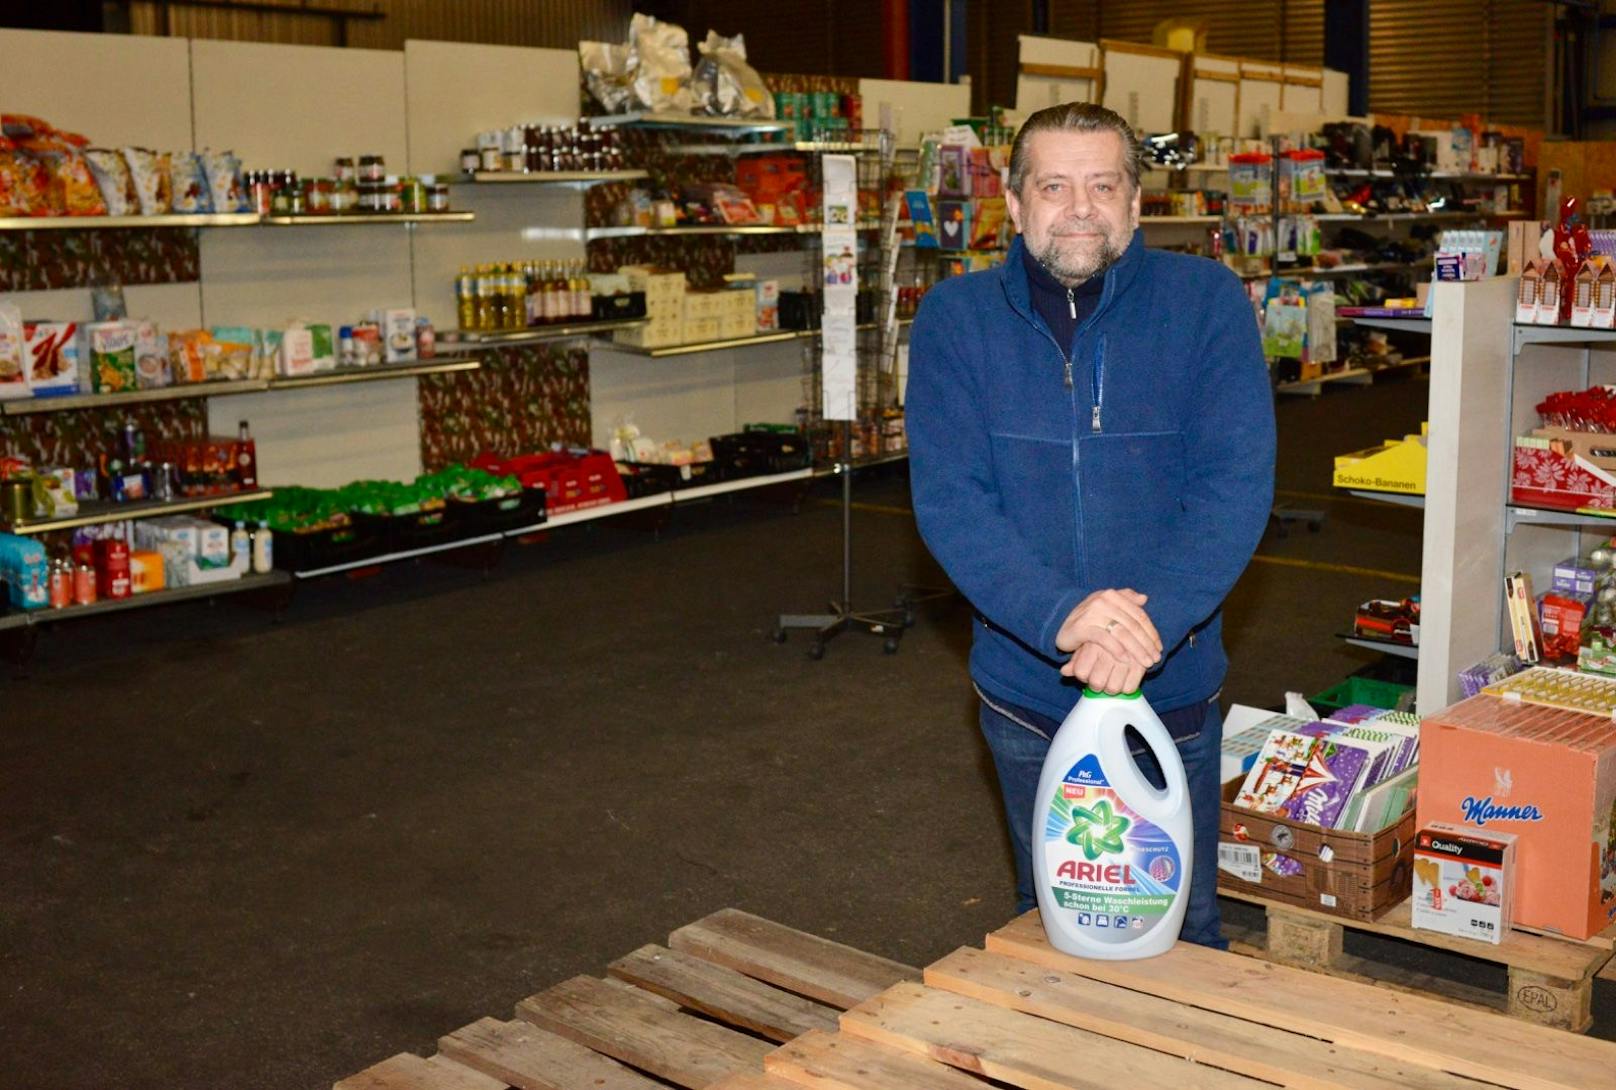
point(1549, 777)
point(146, 571)
point(151, 357)
point(53, 358)
point(58, 484)
point(1463, 881)
point(398, 333)
point(13, 354)
point(297, 352)
point(768, 305)
point(109, 349)
point(26, 571)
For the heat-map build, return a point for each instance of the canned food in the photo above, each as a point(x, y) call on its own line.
point(83, 585)
point(61, 584)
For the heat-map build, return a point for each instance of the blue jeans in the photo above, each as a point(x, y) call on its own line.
point(1018, 754)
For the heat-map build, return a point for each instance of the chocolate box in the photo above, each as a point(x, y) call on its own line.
point(1345, 873)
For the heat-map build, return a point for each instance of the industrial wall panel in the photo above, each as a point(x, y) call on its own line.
point(555, 23)
point(1444, 58)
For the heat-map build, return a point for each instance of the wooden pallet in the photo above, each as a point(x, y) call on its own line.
point(1550, 978)
point(738, 1003)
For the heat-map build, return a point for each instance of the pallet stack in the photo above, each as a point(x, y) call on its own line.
point(735, 1002)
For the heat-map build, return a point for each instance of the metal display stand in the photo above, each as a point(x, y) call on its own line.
point(876, 391)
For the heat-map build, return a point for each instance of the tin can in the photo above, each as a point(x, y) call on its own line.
point(259, 192)
point(83, 585)
point(61, 584)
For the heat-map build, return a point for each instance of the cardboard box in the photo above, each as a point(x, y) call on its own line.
point(1525, 236)
point(398, 333)
point(1573, 576)
point(657, 333)
point(1547, 473)
point(1463, 881)
point(53, 356)
point(1345, 873)
point(657, 284)
point(1549, 777)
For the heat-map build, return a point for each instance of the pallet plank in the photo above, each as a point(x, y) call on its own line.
point(752, 1082)
point(1010, 1047)
point(830, 972)
point(1422, 1030)
point(407, 1071)
point(525, 1056)
point(837, 1061)
point(722, 993)
point(642, 1033)
point(1263, 1052)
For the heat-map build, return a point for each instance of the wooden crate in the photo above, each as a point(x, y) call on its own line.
point(1356, 875)
point(738, 1003)
point(1550, 978)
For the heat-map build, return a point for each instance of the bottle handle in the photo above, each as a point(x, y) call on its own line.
point(1158, 741)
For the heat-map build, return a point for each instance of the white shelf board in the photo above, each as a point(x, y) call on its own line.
point(687, 495)
point(1387, 647)
point(210, 219)
point(406, 554)
point(1402, 325)
point(548, 177)
point(167, 596)
point(654, 119)
point(590, 514)
point(1519, 515)
point(1398, 499)
point(1560, 334)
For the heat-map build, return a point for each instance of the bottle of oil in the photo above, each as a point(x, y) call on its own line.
point(485, 299)
point(515, 297)
point(582, 304)
point(466, 299)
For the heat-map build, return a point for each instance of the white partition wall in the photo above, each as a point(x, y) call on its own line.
point(1214, 94)
point(1141, 84)
point(455, 90)
point(1467, 481)
point(917, 108)
point(117, 89)
point(300, 107)
point(1262, 92)
point(1054, 70)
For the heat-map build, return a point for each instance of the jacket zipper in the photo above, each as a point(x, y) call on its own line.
point(1099, 383)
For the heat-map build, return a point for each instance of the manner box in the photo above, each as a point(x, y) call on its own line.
point(1549, 777)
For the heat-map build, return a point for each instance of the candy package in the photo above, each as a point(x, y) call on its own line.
point(13, 372)
point(188, 185)
point(232, 353)
point(662, 74)
point(725, 84)
point(24, 182)
point(150, 173)
point(223, 172)
point(608, 74)
point(73, 191)
point(112, 178)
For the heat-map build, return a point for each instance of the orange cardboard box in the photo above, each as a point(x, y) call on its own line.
point(1549, 777)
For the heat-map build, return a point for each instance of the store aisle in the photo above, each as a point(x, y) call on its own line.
point(266, 855)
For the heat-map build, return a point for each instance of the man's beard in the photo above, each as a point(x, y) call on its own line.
point(1072, 271)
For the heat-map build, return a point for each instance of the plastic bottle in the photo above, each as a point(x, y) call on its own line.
point(240, 547)
point(263, 549)
point(1111, 852)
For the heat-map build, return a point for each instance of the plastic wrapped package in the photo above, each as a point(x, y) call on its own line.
point(24, 182)
point(223, 171)
point(13, 373)
point(608, 74)
point(70, 186)
point(188, 185)
point(661, 63)
point(725, 84)
point(112, 178)
point(150, 173)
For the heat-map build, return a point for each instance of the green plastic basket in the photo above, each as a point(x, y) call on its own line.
point(1360, 690)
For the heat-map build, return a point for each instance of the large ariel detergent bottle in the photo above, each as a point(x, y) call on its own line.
point(1111, 851)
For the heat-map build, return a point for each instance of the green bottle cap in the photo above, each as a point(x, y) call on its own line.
point(1135, 695)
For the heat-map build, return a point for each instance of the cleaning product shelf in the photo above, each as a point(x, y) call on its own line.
point(96, 512)
point(141, 601)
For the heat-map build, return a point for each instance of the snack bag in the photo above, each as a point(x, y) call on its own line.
point(725, 84)
point(151, 357)
point(13, 372)
point(662, 79)
point(187, 355)
point(112, 178)
point(229, 355)
point(24, 182)
point(188, 185)
point(150, 173)
point(73, 187)
point(223, 172)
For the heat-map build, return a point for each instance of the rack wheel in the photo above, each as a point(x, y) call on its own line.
point(816, 651)
point(890, 645)
point(778, 635)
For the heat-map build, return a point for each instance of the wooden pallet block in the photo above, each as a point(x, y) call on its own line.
point(1550, 979)
point(693, 1020)
point(1411, 1029)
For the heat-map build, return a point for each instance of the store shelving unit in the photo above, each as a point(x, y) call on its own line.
point(87, 223)
point(652, 119)
point(98, 512)
point(548, 177)
point(342, 376)
point(1385, 647)
point(30, 618)
point(511, 338)
point(364, 219)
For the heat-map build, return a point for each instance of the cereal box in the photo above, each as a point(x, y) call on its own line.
point(53, 357)
point(109, 348)
point(1464, 881)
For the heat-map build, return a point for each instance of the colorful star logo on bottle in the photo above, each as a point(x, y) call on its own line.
point(1097, 830)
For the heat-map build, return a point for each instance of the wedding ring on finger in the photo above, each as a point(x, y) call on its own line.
point(1111, 624)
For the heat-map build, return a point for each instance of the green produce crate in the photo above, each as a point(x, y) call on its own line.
point(1362, 690)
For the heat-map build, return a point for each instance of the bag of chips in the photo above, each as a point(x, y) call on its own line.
point(150, 173)
point(13, 199)
point(188, 185)
point(112, 178)
point(72, 188)
point(223, 172)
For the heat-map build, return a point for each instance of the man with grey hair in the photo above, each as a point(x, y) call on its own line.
point(1092, 456)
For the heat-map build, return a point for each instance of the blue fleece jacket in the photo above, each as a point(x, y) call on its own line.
point(1141, 455)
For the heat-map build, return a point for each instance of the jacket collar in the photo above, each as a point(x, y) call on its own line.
point(1013, 277)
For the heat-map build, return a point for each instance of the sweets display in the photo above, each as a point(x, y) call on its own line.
point(1318, 772)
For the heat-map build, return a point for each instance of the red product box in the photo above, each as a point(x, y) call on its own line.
point(1560, 617)
point(766, 178)
point(570, 482)
point(1544, 774)
point(1552, 469)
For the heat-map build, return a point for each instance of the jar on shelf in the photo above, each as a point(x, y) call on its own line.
point(317, 194)
point(412, 194)
point(372, 168)
point(345, 170)
point(470, 161)
point(437, 197)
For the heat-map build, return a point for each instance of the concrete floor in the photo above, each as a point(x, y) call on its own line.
point(255, 854)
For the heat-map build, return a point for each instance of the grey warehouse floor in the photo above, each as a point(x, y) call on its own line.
point(239, 852)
